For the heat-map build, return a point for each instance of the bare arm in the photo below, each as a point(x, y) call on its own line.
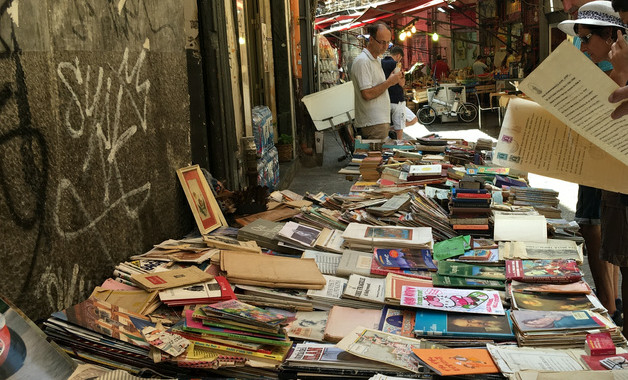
point(619, 58)
point(375, 91)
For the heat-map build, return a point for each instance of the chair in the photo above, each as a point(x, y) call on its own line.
point(486, 89)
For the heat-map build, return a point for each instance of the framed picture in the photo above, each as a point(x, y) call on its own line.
point(206, 211)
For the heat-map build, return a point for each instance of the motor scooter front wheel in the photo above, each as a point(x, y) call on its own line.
point(426, 115)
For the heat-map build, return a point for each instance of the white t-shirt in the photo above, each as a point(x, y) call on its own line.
point(479, 67)
point(367, 72)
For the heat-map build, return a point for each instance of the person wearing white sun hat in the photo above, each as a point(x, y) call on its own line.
point(597, 27)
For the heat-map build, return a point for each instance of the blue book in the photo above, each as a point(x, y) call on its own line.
point(405, 258)
point(464, 325)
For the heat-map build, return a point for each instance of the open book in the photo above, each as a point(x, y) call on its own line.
point(568, 133)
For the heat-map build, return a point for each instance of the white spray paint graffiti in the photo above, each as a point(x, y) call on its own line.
point(60, 292)
point(97, 113)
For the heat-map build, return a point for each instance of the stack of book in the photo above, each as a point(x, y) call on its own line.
point(425, 212)
point(469, 211)
point(364, 237)
point(236, 328)
point(561, 329)
point(545, 201)
point(369, 165)
point(264, 232)
point(215, 290)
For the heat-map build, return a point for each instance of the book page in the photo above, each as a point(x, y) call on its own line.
point(533, 140)
point(575, 90)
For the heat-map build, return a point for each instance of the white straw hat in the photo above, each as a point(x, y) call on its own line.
point(598, 12)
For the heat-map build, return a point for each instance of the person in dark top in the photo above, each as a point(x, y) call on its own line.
point(390, 64)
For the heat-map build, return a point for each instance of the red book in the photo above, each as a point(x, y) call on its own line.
point(473, 196)
point(479, 227)
point(549, 271)
point(599, 344)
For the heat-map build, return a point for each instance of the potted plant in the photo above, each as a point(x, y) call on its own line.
point(284, 147)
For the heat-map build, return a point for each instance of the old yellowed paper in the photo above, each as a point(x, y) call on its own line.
point(533, 140)
point(575, 90)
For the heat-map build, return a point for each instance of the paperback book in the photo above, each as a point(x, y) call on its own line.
point(447, 324)
point(405, 258)
point(458, 300)
point(449, 268)
point(463, 282)
point(457, 361)
point(551, 271)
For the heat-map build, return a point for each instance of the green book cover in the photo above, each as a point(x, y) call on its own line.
point(448, 268)
point(461, 282)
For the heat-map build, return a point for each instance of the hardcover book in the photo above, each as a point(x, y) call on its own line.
point(552, 271)
point(448, 324)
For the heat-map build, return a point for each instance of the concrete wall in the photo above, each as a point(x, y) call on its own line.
point(94, 122)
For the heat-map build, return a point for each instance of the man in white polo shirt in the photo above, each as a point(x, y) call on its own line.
point(372, 103)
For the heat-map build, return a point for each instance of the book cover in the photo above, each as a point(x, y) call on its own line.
point(480, 256)
point(382, 347)
point(552, 271)
point(606, 362)
point(439, 280)
point(357, 262)
point(365, 289)
point(245, 311)
point(448, 324)
point(308, 325)
point(538, 320)
point(190, 324)
point(396, 282)
point(342, 320)
point(379, 270)
point(448, 268)
point(549, 302)
point(457, 361)
point(207, 292)
point(599, 344)
point(451, 247)
point(104, 318)
point(578, 287)
point(405, 258)
point(459, 300)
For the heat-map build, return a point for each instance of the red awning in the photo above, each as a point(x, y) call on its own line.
point(399, 7)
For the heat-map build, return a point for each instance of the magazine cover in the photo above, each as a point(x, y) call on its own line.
point(443, 323)
point(104, 318)
point(459, 300)
point(549, 302)
point(398, 322)
point(538, 320)
point(405, 258)
point(24, 351)
point(382, 347)
point(243, 310)
point(578, 287)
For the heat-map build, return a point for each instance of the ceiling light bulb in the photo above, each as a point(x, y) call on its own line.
point(435, 37)
point(413, 30)
point(402, 36)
